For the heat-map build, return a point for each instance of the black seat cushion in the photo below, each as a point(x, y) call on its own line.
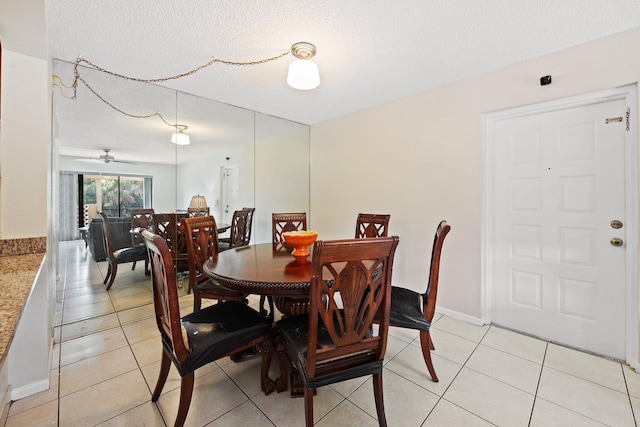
point(134, 253)
point(406, 309)
point(217, 330)
point(295, 331)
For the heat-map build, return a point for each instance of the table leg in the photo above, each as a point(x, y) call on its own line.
point(269, 350)
point(267, 384)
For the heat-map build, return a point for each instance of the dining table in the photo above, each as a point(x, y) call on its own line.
point(258, 269)
point(261, 270)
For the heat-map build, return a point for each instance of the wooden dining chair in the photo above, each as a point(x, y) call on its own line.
point(350, 282)
point(140, 218)
point(119, 256)
point(372, 225)
point(170, 227)
point(202, 243)
point(283, 222)
point(199, 338)
point(247, 232)
point(198, 211)
point(238, 234)
point(415, 310)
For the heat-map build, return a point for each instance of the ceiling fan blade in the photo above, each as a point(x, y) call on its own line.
point(104, 158)
point(89, 160)
point(103, 161)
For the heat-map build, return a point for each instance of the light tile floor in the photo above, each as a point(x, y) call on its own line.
point(107, 352)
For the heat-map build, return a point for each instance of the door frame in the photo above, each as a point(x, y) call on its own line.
point(629, 94)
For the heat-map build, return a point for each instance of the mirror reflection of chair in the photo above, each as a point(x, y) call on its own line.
point(170, 227)
point(283, 222)
point(372, 225)
point(415, 310)
point(199, 338)
point(202, 243)
point(140, 218)
point(198, 206)
point(238, 233)
point(332, 344)
point(118, 256)
point(247, 231)
point(198, 211)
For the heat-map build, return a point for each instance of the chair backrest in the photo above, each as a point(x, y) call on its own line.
point(372, 225)
point(238, 235)
point(106, 236)
point(165, 295)
point(430, 296)
point(170, 227)
point(140, 218)
point(354, 273)
point(202, 243)
point(283, 222)
point(247, 234)
point(198, 211)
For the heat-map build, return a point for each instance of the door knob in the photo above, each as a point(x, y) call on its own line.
point(616, 242)
point(616, 224)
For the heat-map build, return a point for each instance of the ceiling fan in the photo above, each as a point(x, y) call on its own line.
point(104, 158)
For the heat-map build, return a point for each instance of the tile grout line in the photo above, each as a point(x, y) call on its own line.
point(456, 376)
point(633, 413)
point(535, 396)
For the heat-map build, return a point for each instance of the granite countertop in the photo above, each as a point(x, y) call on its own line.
point(17, 275)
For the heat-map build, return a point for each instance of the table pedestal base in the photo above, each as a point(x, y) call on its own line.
point(292, 306)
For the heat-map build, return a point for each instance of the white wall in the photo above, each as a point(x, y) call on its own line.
point(29, 353)
point(419, 159)
point(164, 177)
point(282, 178)
point(25, 137)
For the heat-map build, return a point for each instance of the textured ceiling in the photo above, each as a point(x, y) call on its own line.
point(369, 51)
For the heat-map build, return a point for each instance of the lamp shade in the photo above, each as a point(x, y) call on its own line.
point(198, 202)
point(180, 138)
point(303, 74)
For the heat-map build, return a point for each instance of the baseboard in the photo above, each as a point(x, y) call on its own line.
point(29, 389)
point(460, 316)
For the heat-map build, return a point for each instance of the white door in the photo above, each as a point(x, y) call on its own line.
point(558, 183)
point(229, 192)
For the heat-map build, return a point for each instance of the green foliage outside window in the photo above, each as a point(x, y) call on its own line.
point(115, 195)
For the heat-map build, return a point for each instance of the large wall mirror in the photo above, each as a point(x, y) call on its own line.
point(236, 157)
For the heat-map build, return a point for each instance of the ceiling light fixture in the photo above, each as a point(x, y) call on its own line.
point(179, 137)
point(303, 73)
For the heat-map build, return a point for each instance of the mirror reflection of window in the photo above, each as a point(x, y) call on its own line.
point(114, 195)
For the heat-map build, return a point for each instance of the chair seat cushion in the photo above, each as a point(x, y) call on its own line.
point(209, 287)
point(406, 309)
point(219, 329)
point(294, 332)
point(134, 253)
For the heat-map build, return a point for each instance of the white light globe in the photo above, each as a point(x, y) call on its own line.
point(303, 75)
